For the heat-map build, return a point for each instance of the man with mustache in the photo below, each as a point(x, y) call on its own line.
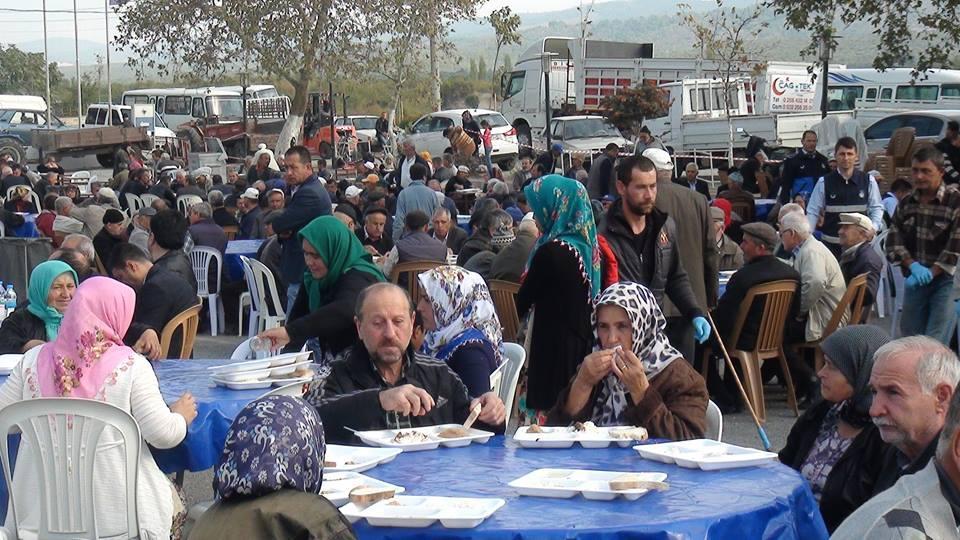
point(384, 384)
point(913, 380)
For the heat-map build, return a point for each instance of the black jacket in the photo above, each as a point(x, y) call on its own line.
point(668, 275)
point(479, 241)
point(351, 395)
point(309, 201)
point(701, 187)
point(18, 328)
point(803, 166)
point(894, 465)
point(162, 296)
point(178, 263)
point(456, 237)
point(863, 261)
point(755, 272)
point(851, 481)
point(331, 323)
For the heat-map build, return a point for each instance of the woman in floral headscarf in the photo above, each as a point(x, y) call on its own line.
point(268, 479)
point(88, 360)
point(562, 279)
point(635, 377)
point(462, 328)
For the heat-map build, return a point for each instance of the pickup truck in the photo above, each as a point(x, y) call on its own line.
point(160, 135)
point(19, 117)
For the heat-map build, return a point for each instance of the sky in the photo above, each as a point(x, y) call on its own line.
point(532, 6)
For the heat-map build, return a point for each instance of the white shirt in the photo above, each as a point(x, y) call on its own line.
point(405, 170)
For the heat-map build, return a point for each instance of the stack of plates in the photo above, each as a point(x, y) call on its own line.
point(279, 370)
point(8, 362)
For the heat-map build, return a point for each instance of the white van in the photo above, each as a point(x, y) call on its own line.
point(178, 106)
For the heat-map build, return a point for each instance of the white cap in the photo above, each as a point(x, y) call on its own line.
point(660, 158)
point(251, 193)
point(527, 217)
point(107, 192)
point(202, 171)
point(353, 191)
point(463, 168)
point(369, 165)
point(859, 220)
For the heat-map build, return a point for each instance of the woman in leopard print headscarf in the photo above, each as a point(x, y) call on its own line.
point(634, 377)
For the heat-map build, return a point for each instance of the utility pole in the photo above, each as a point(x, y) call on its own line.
point(76, 49)
point(825, 43)
point(106, 17)
point(46, 62)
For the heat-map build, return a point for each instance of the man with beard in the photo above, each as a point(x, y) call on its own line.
point(644, 241)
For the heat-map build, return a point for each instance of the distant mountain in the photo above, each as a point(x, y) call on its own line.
point(61, 50)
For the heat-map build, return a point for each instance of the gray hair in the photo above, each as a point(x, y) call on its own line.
point(62, 204)
point(797, 223)
point(691, 167)
point(215, 198)
point(950, 425)
point(83, 244)
point(937, 364)
point(202, 209)
point(788, 208)
point(500, 188)
point(442, 210)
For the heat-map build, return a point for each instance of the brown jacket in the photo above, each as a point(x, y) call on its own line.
point(695, 240)
point(674, 407)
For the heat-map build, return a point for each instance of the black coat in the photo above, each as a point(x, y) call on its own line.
point(702, 187)
point(864, 261)
point(162, 296)
point(456, 237)
point(669, 277)
point(18, 328)
point(754, 272)
point(310, 201)
point(801, 165)
point(852, 479)
point(562, 331)
point(479, 241)
point(332, 323)
point(175, 261)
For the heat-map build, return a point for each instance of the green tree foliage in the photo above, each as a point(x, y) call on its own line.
point(628, 109)
point(481, 69)
point(22, 72)
point(506, 25)
point(473, 68)
point(923, 34)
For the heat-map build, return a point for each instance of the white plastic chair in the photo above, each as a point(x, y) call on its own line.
point(714, 422)
point(148, 198)
point(134, 203)
point(515, 357)
point(879, 246)
point(184, 202)
point(64, 433)
point(245, 301)
point(254, 322)
point(263, 284)
point(496, 378)
point(34, 198)
point(200, 259)
point(3, 229)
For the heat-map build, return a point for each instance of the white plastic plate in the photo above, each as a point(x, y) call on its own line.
point(8, 362)
point(356, 458)
point(705, 454)
point(337, 485)
point(289, 369)
point(593, 485)
point(242, 376)
point(247, 385)
point(288, 358)
point(431, 440)
point(248, 365)
point(565, 437)
point(419, 512)
point(282, 381)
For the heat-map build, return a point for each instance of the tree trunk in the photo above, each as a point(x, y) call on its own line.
point(493, 86)
point(434, 61)
point(292, 128)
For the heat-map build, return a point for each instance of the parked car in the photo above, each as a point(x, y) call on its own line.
point(427, 133)
point(19, 116)
point(366, 129)
point(585, 135)
point(930, 126)
point(160, 134)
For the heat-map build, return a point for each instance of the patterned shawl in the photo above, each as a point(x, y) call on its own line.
point(275, 443)
point(464, 312)
point(650, 344)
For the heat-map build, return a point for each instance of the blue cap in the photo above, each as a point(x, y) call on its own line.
point(515, 213)
point(557, 147)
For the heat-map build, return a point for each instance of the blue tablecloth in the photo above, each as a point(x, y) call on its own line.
point(771, 501)
point(28, 229)
point(231, 257)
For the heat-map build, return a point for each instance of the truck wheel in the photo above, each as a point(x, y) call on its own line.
point(13, 147)
point(105, 160)
point(326, 151)
point(524, 139)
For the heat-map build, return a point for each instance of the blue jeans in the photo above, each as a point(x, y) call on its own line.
point(292, 291)
point(488, 161)
point(929, 310)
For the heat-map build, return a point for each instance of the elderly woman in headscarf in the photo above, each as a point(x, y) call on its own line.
point(634, 377)
point(88, 360)
point(51, 288)
point(267, 481)
point(20, 201)
point(338, 269)
point(561, 281)
point(461, 324)
point(835, 445)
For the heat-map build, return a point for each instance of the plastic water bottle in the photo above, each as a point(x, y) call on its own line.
point(3, 308)
point(10, 302)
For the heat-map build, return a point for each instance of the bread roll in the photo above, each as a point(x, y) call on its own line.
point(364, 496)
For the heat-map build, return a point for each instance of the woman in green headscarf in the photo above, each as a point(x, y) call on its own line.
point(49, 292)
point(561, 281)
point(338, 269)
